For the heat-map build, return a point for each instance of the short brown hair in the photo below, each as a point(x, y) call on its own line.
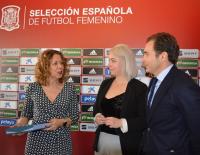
point(165, 42)
point(42, 67)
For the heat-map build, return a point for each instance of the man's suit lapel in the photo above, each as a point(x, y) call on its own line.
point(161, 92)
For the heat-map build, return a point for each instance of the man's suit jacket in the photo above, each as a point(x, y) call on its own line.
point(133, 110)
point(174, 118)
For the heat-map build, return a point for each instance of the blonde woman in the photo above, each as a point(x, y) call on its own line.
point(120, 106)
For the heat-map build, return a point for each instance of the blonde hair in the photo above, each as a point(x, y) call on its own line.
point(42, 72)
point(127, 55)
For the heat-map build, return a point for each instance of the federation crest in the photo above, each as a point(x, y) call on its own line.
point(10, 18)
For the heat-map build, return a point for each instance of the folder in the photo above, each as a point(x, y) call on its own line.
point(26, 128)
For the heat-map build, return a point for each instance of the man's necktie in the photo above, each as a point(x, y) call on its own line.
point(151, 92)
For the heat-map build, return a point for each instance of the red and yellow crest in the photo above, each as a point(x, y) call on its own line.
point(10, 18)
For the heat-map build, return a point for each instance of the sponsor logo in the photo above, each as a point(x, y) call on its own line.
point(8, 78)
point(88, 127)
point(138, 52)
point(138, 62)
point(92, 52)
point(88, 98)
point(21, 105)
point(8, 95)
point(107, 51)
point(93, 61)
point(74, 127)
point(141, 71)
point(10, 51)
point(74, 79)
point(23, 86)
point(27, 70)
point(89, 89)
point(28, 60)
point(8, 86)
point(92, 79)
point(93, 71)
point(87, 117)
point(77, 89)
point(8, 113)
point(187, 63)
point(74, 70)
point(8, 104)
point(30, 52)
point(7, 122)
point(74, 61)
point(9, 69)
point(22, 96)
point(26, 78)
point(87, 108)
point(106, 61)
point(10, 18)
point(189, 53)
point(9, 61)
point(72, 52)
point(191, 72)
point(107, 71)
point(44, 49)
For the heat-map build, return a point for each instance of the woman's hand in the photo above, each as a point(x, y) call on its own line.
point(67, 121)
point(113, 122)
point(54, 124)
point(22, 121)
point(99, 119)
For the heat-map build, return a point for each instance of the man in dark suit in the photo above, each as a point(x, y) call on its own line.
point(173, 109)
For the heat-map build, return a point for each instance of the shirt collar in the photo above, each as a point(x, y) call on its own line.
point(164, 73)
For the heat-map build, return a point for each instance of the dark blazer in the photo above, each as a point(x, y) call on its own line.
point(174, 118)
point(133, 110)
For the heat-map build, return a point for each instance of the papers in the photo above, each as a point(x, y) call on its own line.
point(26, 128)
